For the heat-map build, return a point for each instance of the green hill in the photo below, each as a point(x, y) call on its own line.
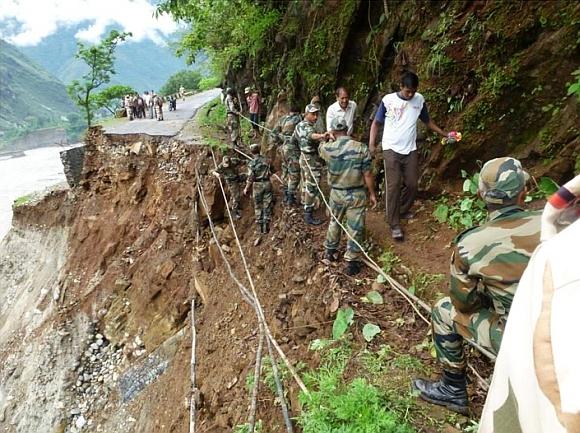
point(31, 97)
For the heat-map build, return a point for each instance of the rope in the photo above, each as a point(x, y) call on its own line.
point(192, 372)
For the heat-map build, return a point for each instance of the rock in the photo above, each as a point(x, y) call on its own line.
point(166, 268)
point(299, 278)
point(80, 422)
point(122, 283)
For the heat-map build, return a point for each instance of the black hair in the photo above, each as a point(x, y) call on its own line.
point(338, 89)
point(410, 80)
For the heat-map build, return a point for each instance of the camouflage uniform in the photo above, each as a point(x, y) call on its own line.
point(129, 106)
point(347, 162)
point(233, 120)
point(158, 104)
point(308, 157)
point(233, 180)
point(290, 151)
point(486, 266)
point(259, 174)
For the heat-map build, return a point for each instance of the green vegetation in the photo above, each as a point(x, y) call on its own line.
point(111, 97)
point(25, 199)
point(336, 405)
point(100, 59)
point(207, 83)
point(245, 428)
point(574, 87)
point(211, 118)
point(388, 260)
point(188, 79)
point(466, 211)
point(422, 281)
point(344, 318)
point(437, 60)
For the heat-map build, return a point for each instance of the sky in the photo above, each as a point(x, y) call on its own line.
point(27, 22)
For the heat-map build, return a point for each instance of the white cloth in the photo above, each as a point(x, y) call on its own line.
point(336, 110)
point(539, 360)
point(400, 123)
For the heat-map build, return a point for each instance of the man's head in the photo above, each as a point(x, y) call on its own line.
point(311, 113)
point(247, 90)
point(338, 126)
point(255, 148)
point(342, 97)
point(502, 182)
point(409, 85)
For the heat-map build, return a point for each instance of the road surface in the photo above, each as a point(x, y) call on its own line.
point(173, 120)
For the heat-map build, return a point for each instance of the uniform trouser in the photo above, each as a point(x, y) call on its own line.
point(291, 169)
point(234, 188)
point(450, 327)
point(310, 177)
point(158, 112)
point(129, 112)
point(151, 111)
point(350, 206)
point(233, 125)
point(401, 177)
point(262, 192)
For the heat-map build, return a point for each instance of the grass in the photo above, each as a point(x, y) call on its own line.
point(25, 199)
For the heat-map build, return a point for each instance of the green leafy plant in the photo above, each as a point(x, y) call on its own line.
point(465, 212)
point(422, 281)
point(245, 428)
point(545, 187)
point(22, 200)
point(187, 78)
point(373, 297)
point(344, 318)
point(574, 87)
point(389, 260)
point(370, 331)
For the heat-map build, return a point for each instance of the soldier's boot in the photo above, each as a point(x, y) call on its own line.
point(291, 199)
point(450, 391)
point(310, 220)
point(265, 227)
point(352, 267)
point(258, 227)
point(330, 255)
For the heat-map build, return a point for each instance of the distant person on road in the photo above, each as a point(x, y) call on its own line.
point(343, 107)
point(487, 263)
point(233, 118)
point(229, 169)
point(158, 103)
point(259, 173)
point(398, 112)
point(151, 105)
point(349, 178)
point(129, 106)
point(182, 92)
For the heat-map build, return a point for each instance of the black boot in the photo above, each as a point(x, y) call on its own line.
point(352, 267)
point(450, 391)
point(291, 199)
point(309, 219)
point(330, 255)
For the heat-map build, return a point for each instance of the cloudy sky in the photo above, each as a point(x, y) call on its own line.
point(27, 22)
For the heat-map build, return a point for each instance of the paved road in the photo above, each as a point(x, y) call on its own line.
point(173, 120)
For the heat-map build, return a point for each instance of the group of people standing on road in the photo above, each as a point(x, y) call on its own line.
point(150, 104)
point(487, 262)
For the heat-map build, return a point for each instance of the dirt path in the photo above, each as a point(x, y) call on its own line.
point(173, 120)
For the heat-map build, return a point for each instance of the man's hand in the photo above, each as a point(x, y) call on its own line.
point(373, 200)
point(372, 148)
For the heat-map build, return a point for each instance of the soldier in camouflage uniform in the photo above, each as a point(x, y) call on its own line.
point(158, 104)
point(282, 136)
point(349, 171)
point(259, 176)
point(486, 265)
point(229, 170)
point(308, 141)
point(233, 118)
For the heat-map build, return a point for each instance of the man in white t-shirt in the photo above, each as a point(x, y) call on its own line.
point(343, 107)
point(399, 112)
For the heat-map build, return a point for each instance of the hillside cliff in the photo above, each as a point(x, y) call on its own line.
point(497, 71)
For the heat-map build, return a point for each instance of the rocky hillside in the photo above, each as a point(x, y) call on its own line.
point(28, 92)
point(497, 71)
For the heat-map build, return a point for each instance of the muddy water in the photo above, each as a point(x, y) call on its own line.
point(20, 175)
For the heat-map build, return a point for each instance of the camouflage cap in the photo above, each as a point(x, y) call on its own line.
point(338, 124)
point(311, 108)
point(501, 180)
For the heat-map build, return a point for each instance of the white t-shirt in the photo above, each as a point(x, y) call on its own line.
point(335, 109)
point(399, 117)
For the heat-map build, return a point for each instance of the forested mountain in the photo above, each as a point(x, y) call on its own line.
point(29, 94)
point(141, 65)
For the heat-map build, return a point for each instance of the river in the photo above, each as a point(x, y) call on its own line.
point(22, 175)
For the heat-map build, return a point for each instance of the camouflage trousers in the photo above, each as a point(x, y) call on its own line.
point(233, 126)
point(234, 188)
point(262, 192)
point(450, 327)
point(290, 169)
point(310, 192)
point(130, 112)
point(158, 112)
point(349, 207)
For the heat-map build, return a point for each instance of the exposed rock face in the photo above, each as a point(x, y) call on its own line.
point(72, 161)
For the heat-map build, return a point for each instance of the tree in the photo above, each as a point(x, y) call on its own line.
point(188, 79)
point(109, 98)
point(100, 59)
